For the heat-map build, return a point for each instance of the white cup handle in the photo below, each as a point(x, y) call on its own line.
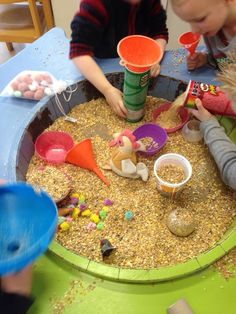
point(122, 63)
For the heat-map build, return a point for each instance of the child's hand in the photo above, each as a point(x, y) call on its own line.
point(114, 98)
point(201, 113)
point(197, 60)
point(155, 70)
point(19, 282)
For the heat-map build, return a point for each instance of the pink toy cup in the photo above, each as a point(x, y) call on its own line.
point(52, 146)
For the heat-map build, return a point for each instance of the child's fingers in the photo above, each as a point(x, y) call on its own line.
point(198, 103)
point(193, 57)
point(155, 70)
point(195, 113)
point(123, 108)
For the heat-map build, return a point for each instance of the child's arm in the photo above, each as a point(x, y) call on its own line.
point(15, 292)
point(222, 149)
point(155, 70)
point(91, 71)
point(158, 30)
point(220, 146)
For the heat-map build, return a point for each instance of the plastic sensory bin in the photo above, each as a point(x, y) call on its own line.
point(153, 131)
point(172, 189)
point(182, 111)
point(28, 223)
point(53, 146)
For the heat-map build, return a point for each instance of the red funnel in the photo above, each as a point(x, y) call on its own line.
point(82, 155)
point(190, 41)
point(139, 53)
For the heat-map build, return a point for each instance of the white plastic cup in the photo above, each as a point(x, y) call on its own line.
point(172, 189)
point(191, 131)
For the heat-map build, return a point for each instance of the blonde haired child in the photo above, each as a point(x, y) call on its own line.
point(216, 21)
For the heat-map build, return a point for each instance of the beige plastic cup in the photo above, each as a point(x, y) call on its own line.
point(180, 307)
point(172, 189)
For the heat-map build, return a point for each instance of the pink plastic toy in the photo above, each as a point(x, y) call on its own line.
point(52, 146)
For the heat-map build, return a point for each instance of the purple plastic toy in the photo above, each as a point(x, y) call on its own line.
point(157, 133)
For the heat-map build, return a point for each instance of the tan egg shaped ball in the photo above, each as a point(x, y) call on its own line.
point(181, 223)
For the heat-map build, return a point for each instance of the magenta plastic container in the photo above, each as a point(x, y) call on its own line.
point(183, 113)
point(53, 146)
point(157, 133)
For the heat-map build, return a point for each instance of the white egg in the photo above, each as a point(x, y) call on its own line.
point(44, 83)
point(17, 93)
point(48, 91)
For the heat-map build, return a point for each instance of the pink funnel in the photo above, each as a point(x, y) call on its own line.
point(190, 41)
point(82, 155)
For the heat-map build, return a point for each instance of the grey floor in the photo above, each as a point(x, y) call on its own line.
point(5, 54)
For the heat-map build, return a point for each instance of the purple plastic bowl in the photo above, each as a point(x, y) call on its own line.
point(157, 133)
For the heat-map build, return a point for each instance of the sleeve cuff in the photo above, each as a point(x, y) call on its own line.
point(12, 303)
point(213, 122)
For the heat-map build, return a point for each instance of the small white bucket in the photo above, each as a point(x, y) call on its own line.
point(172, 189)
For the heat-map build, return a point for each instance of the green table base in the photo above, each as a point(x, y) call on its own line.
point(152, 275)
point(206, 292)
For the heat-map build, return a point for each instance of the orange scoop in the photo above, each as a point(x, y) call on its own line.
point(82, 155)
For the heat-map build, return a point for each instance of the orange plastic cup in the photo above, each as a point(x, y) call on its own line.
point(189, 41)
point(139, 53)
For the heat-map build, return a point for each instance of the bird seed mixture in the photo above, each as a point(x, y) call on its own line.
point(171, 173)
point(144, 241)
point(168, 119)
point(149, 143)
point(47, 178)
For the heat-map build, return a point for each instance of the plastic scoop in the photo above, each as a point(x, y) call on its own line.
point(27, 226)
point(189, 41)
point(139, 53)
point(82, 155)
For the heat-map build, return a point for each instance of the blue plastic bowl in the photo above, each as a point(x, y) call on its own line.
point(28, 221)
